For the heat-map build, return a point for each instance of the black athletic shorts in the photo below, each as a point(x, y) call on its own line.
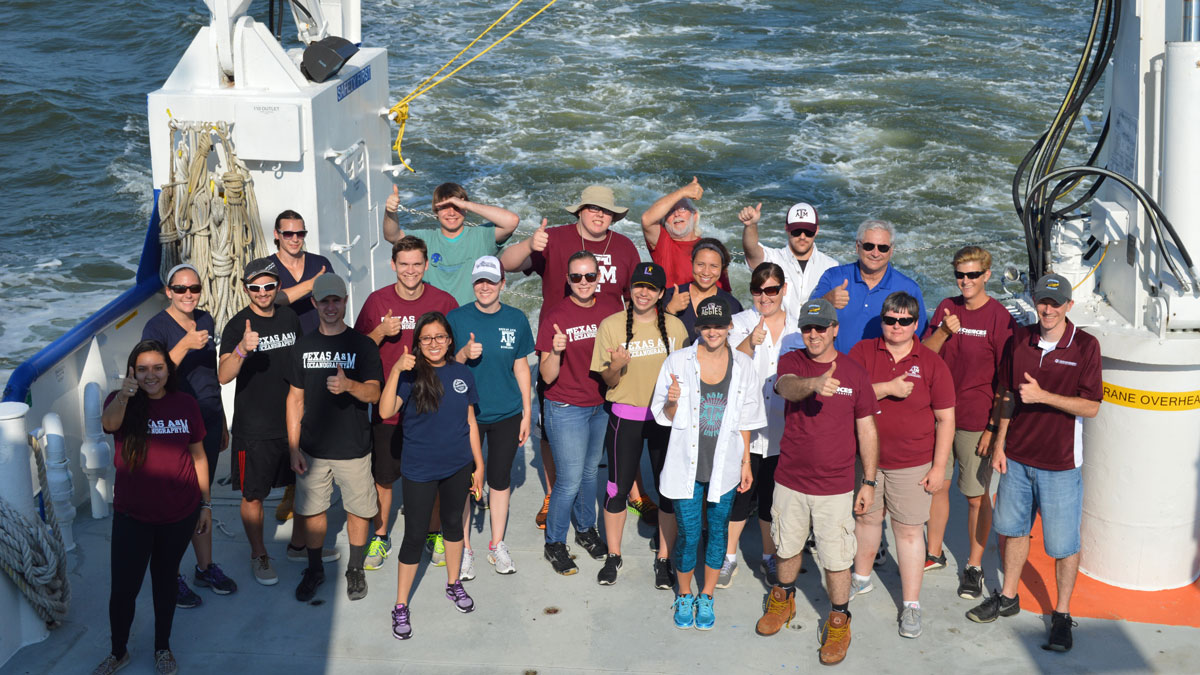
point(385, 456)
point(259, 466)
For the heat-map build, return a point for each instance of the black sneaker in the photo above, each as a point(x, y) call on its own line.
point(995, 607)
point(608, 573)
point(356, 584)
point(664, 574)
point(186, 598)
point(592, 543)
point(1060, 633)
point(560, 558)
point(308, 584)
point(971, 586)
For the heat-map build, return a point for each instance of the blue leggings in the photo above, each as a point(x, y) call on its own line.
point(689, 515)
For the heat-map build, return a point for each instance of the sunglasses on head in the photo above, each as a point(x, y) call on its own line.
point(259, 288)
point(180, 289)
point(288, 234)
point(769, 291)
point(800, 231)
point(902, 320)
point(968, 275)
point(868, 246)
point(575, 277)
point(812, 328)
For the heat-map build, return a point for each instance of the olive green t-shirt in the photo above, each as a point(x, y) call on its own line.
point(646, 351)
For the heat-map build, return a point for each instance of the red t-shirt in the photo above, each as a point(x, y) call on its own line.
point(576, 383)
point(973, 355)
point(906, 426)
point(816, 454)
point(163, 488)
point(615, 254)
point(1040, 435)
point(376, 307)
point(676, 258)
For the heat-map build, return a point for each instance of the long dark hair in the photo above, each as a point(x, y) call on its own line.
point(134, 431)
point(662, 323)
point(427, 391)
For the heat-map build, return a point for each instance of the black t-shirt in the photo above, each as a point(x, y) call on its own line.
point(335, 426)
point(303, 307)
point(197, 374)
point(259, 411)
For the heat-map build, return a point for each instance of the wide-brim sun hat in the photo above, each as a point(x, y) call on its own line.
point(598, 195)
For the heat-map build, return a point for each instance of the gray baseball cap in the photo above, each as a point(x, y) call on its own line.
point(328, 284)
point(1053, 287)
point(817, 312)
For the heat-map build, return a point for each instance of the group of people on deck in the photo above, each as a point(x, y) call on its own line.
point(829, 404)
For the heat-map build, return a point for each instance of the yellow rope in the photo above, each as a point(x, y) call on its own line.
point(401, 108)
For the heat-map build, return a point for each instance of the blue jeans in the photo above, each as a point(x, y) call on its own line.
point(689, 514)
point(576, 436)
point(1057, 495)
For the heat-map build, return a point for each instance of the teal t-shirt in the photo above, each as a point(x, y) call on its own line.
point(505, 337)
point(451, 260)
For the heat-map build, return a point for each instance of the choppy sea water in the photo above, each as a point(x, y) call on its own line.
point(916, 112)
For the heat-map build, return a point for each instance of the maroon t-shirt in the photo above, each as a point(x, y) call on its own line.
point(376, 307)
point(676, 259)
point(163, 488)
point(615, 254)
point(906, 426)
point(576, 383)
point(816, 454)
point(973, 355)
point(1040, 435)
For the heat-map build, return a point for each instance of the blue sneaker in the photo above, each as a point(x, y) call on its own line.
point(186, 597)
point(685, 611)
point(705, 619)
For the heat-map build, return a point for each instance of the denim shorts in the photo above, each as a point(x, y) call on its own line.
point(1057, 495)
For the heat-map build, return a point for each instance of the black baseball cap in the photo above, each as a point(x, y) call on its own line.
point(650, 274)
point(258, 267)
point(714, 311)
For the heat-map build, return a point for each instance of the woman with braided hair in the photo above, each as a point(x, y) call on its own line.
point(629, 351)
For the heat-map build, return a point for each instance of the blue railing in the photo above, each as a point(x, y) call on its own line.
point(147, 283)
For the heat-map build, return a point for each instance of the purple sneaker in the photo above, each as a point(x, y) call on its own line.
point(458, 595)
point(401, 628)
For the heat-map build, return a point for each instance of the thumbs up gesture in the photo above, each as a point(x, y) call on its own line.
point(339, 383)
point(560, 341)
point(827, 384)
point(195, 339)
point(759, 334)
point(249, 339)
point(129, 385)
point(673, 391)
point(407, 361)
point(692, 190)
point(1031, 391)
point(750, 215)
point(900, 387)
point(390, 324)
point(839, 297)
point(473, 349)
point(950, 323)
point(679, 301)
point(618, 357)
point(393, 201)
point(540, 237)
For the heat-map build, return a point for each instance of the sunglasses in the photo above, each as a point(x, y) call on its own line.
point(180, 289)
point(577, 278)
point(430, 339)
point(868, 246)
point(597, 209)
point(814, 329)
point(969, 275)
point(288, 234)
point(902, 320)
point(259, 288)
point(769, 291)
point(801, 232)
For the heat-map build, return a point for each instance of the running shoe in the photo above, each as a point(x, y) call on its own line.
point(645, 508)
point(466, 570)
point(971, 586)
point(356, 583)
point(728, 572)
point(111, 664)
point(685, 611)
point(591, 542)
point(164, 662)
point(1060, 633)
point(501, 558)
point(995, 607)
point(377, 552)
point(608, 573)
point(401, 628)
point(858, 588)
point(910, 622)
point(770, 570)
point(458, 595)
point(437, 549)
point(308, 584)
point(212, 577)
point(705, 617)
point(264, 572)
point(560, 558)
point(186, 597)
point(934, 562)
point(283, 512)
point(301, 554)
point(540, 518)
point(664, 574)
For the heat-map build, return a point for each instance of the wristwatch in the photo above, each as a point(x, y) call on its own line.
point(868, 482)
point(992, 428)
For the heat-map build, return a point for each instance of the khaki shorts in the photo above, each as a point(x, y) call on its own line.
point(974, 472)
point(830, 517)
point(314, 489)
point(900, 490)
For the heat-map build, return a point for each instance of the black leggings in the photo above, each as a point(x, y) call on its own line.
point(418, 507)
point(136, 545)
point(623, 448)
point(501, 437)
point(763, 487)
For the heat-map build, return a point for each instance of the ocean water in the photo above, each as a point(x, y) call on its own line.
point(916, 112)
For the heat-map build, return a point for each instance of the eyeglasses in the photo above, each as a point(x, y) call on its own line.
point(259, 288)
point(814, 329)
point(801, 232)
point(769, 291)
point(597, 209)
point(969, 275)
point(577, 278)
point(868, 246)
point(180, 289)
point(430, 339)
point(902, 320)
point(288, 234)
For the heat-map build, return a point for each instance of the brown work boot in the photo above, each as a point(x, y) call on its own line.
point(781, 608)
point(835, 638)
point(283, 512)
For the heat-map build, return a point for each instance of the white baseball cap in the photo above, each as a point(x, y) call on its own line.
point(487, 267)
point(801, 213)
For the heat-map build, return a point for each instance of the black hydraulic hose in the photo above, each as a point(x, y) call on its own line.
point(1091, 191)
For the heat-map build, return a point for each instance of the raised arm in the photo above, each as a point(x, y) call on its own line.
point(389, 402)
point(750, 216)
point(505, 221)
point(795, 388)
point(652, 218)
point(516, 258)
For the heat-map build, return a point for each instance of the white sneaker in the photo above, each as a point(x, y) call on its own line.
point(500, 557)
point(860, 587)
point(467, 569)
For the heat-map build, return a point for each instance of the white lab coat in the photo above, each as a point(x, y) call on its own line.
point(765, 441)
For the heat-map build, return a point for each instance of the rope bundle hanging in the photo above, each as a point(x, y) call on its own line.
point(33, 555)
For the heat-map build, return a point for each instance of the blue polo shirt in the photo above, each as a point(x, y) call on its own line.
point(859, 319)
point(505, 337)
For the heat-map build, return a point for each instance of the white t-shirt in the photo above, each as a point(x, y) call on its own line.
point(801, 282)
point(765, 441)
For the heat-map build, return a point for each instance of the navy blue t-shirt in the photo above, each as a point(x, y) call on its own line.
point(688, 315)
point(197, 374)
point(437, 444)
point(303, 307)
point(506, 337)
